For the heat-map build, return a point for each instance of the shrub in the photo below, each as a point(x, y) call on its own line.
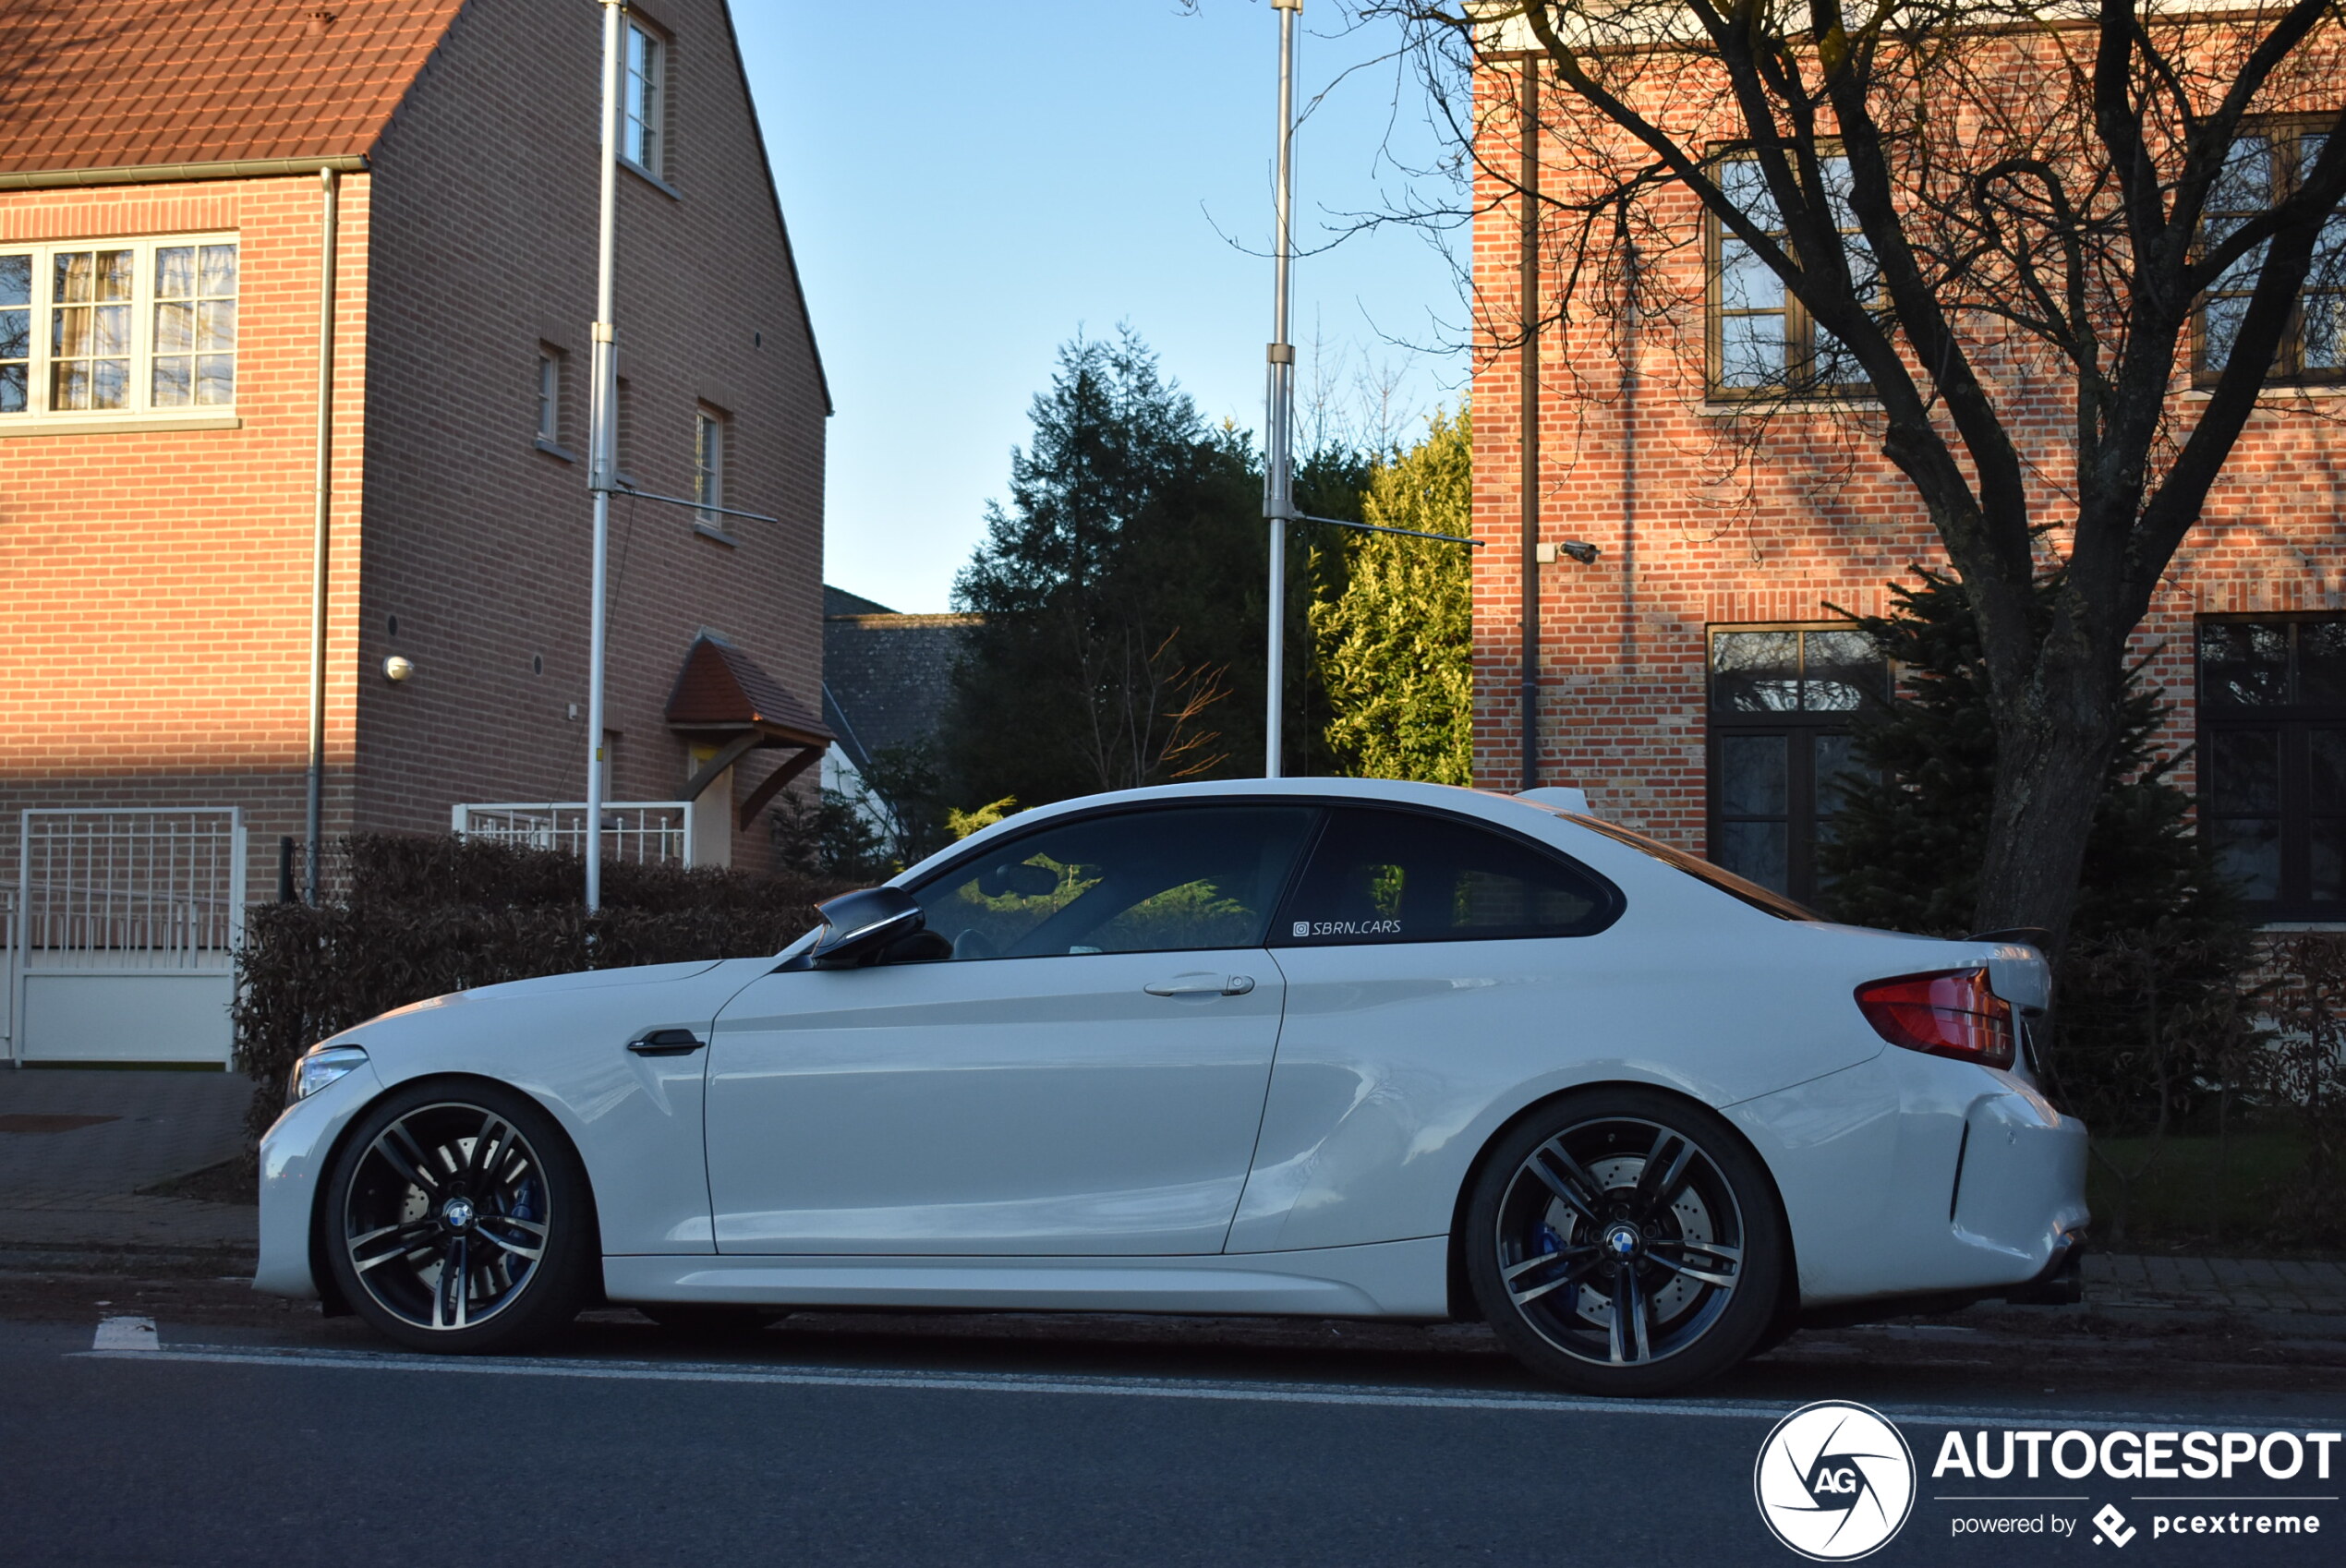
point(422, 917)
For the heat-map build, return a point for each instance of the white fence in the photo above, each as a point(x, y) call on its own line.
point(647, 832)
point(125, 931)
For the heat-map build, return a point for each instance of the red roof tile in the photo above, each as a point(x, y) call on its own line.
point(722, 687)
point(103, 84)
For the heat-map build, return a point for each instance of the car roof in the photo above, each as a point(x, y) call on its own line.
point(1487, 804)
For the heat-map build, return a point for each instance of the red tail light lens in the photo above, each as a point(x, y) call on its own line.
point(1951, 1013)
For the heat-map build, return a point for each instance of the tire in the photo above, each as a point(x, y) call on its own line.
point(699, 1320)
point(472, 1173)
point(1564, 1230)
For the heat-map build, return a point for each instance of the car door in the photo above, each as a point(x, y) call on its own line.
point(1084, 1074)
point(1432, 962)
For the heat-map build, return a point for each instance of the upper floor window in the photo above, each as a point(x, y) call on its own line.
point(2263, 169)
point(549, 396)
point(708, 460)
point(2272, 760)
point(1762, 339)
point(118, 328)
point(643, 140)
point(1782, 700)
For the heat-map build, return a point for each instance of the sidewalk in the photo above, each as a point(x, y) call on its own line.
point(76, 1148)
point(2215, 1285)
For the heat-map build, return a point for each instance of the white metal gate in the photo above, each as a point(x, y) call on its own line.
point(126, 927)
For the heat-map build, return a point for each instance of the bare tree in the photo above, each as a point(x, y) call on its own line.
point(1978, 204)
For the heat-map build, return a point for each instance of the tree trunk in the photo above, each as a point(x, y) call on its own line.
point(2052, 760)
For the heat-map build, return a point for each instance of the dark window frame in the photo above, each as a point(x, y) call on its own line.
point(1801, 382)
point(2289, 368)
point(2292, 722)
point(1800, 726)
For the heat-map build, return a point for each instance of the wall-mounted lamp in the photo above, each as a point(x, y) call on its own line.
point(1579, 549)
point(397, 667)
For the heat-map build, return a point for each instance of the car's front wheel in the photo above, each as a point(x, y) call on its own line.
point(1624, 1241)
point(458, 1218)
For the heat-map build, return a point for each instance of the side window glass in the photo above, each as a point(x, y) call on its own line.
point(1408, 876)
point(1144, 881)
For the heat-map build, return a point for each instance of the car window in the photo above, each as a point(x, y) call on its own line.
point(1412, 876)
point(1147, 881)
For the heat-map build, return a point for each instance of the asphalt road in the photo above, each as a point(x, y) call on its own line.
point(310, 1443)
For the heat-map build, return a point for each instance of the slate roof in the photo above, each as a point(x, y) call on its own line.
point(887, 678)
point(107, 84)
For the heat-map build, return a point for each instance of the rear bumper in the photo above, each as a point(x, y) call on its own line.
point(2064, 1282)
point(1914, 1176)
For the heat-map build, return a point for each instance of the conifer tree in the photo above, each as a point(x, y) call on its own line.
point(1394, 643)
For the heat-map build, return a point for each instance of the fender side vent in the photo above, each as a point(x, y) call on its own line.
point(1955, 1196)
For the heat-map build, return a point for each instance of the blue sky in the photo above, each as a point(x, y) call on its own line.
point(967, 186)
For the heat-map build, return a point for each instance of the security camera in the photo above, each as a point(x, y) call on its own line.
point(397, 669)
point(1580, 550)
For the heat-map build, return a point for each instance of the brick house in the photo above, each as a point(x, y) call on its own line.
point(174, 176)
point(1692, 679)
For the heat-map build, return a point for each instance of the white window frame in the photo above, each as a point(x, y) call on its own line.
point(643, 124)
point(142, 409)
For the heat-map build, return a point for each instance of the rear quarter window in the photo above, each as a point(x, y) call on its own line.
point(1383, 877)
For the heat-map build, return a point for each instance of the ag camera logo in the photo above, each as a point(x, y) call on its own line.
point(1834, 1481)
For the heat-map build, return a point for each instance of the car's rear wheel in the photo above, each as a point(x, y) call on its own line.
point(458, 1218)
point(1624, 1241)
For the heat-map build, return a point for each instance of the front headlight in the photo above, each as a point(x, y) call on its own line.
point(320, 1066)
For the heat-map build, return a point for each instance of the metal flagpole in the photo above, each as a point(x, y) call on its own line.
point(1278, 495)
point(603, 454)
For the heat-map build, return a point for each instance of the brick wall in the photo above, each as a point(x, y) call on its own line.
point(477, 541)
point(1703, 522)
point(155, 628)
point(154, 585)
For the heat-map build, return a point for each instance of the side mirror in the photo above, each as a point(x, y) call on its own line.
point(857, 927)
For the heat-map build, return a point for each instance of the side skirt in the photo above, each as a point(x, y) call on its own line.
point(1389, 1279)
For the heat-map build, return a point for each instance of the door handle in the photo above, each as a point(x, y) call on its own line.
point(1203, 986)
point(666, 1043)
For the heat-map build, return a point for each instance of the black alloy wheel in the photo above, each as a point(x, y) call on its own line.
point(458, 1218)
point(1624, 1241)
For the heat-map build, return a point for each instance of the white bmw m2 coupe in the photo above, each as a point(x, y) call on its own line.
point(1334, 1047)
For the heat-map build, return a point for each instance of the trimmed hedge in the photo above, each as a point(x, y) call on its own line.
point(422, 917)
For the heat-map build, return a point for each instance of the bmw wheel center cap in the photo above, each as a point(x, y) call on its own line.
point(458, 1213)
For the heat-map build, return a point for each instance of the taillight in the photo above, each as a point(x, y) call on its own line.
point(1951, 1013)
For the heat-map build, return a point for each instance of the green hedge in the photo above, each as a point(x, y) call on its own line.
point(422, 917)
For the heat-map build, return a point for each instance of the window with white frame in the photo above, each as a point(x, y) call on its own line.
point(643, 140)
point(122, 326)
point(708, 461)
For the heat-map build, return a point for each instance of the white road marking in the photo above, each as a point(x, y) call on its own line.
point(1144, 1388)
point(134, 1335)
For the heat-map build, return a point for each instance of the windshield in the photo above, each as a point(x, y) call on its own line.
point(1727, 882)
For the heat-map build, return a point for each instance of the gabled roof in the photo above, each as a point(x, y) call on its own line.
point(721, 688)
point(89, 85)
